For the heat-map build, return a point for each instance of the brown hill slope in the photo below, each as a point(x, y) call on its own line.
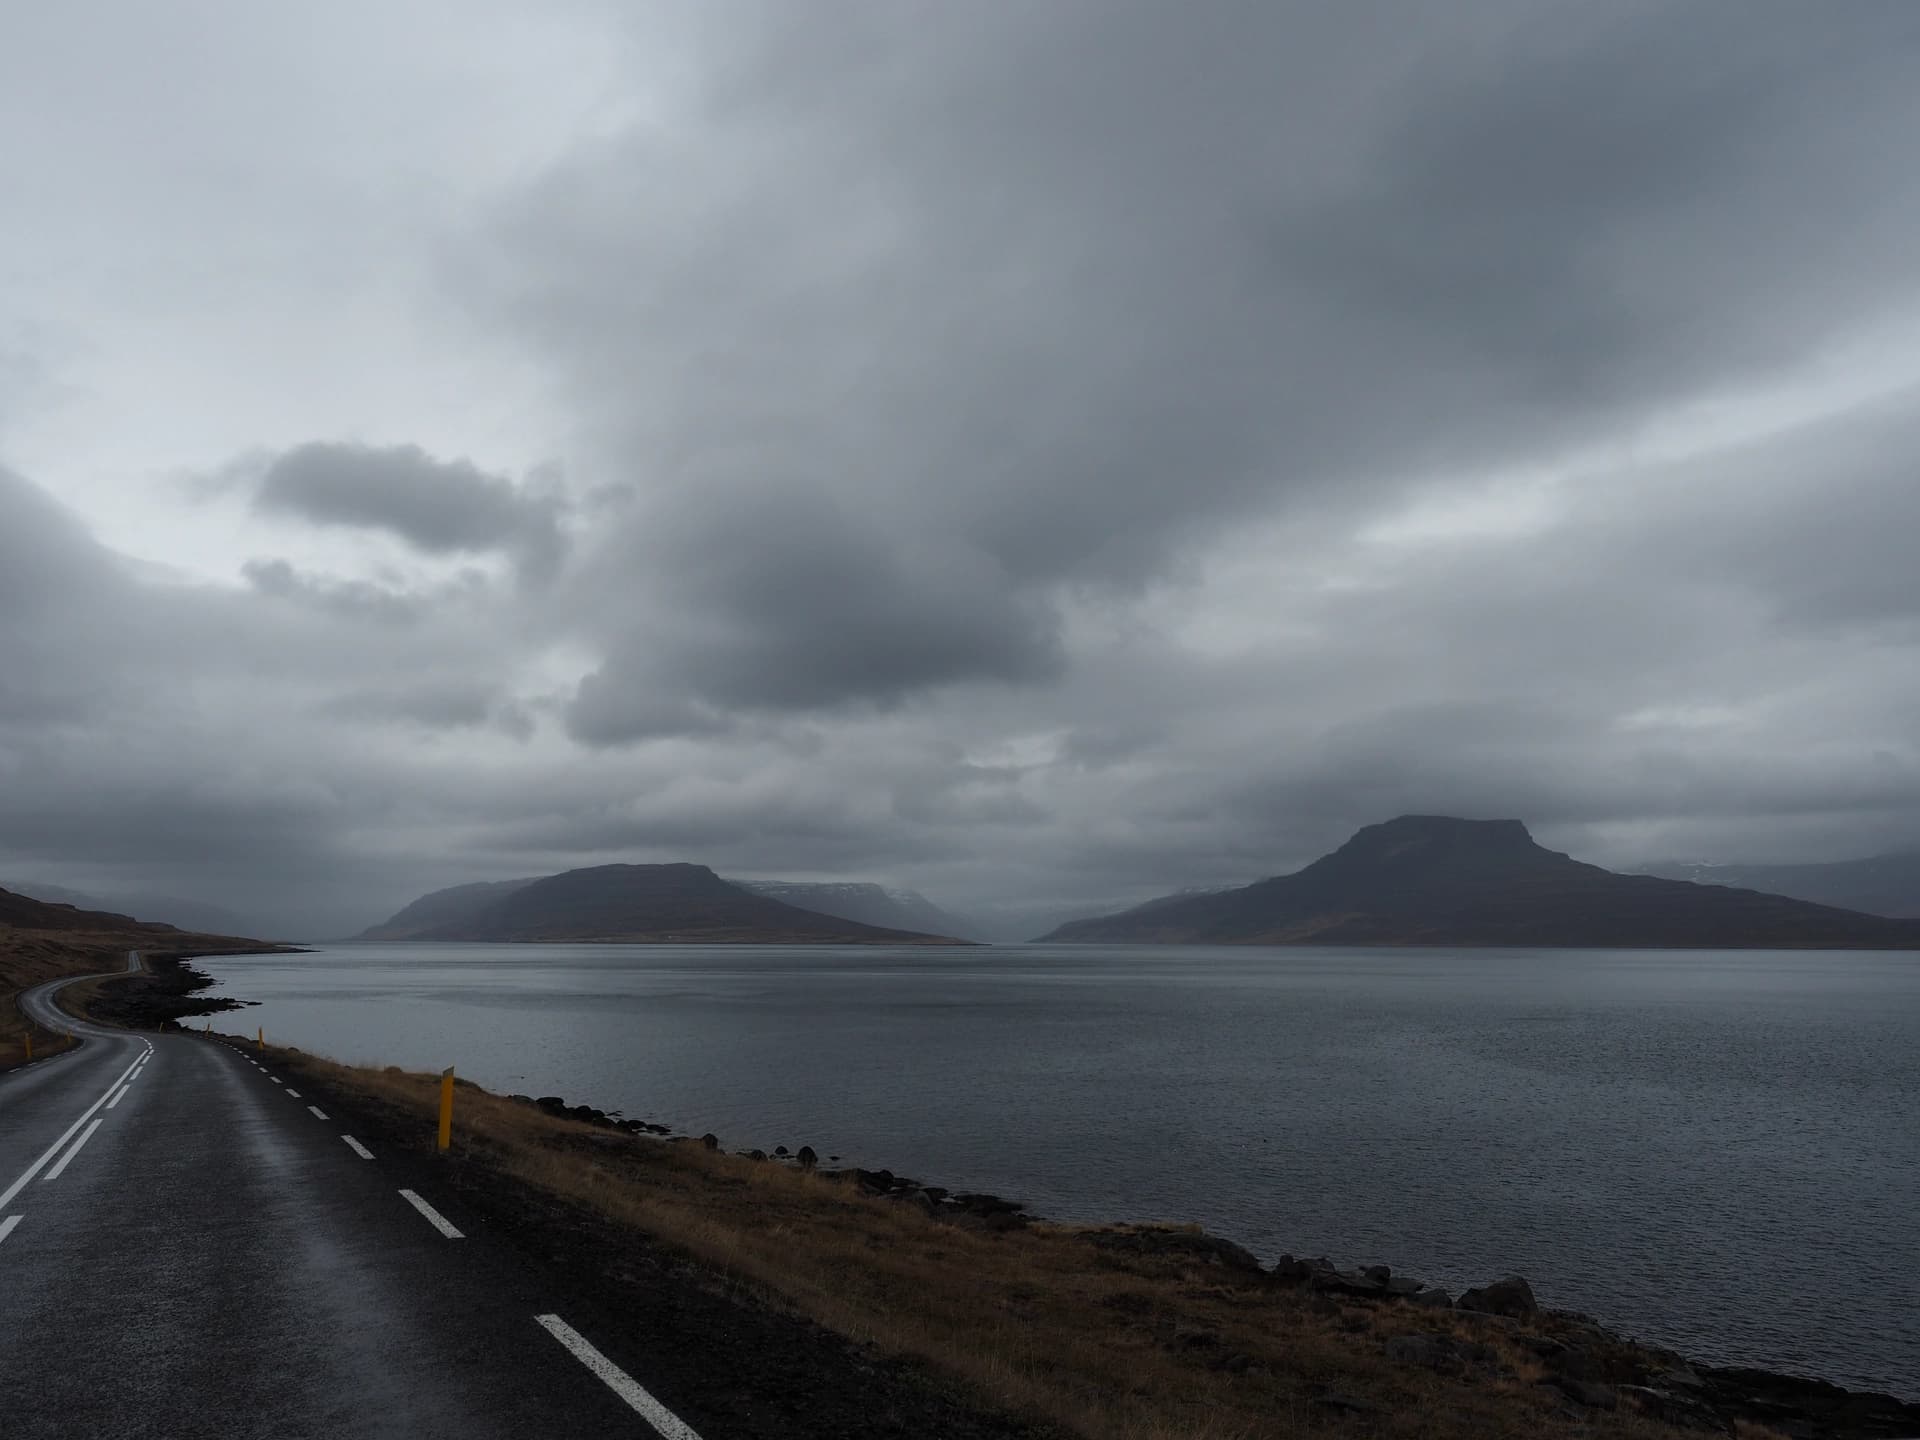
point(1435, 880)
point(657, 903)
point(40, 940)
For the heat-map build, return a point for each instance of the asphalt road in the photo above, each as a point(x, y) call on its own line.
point(190, 1248)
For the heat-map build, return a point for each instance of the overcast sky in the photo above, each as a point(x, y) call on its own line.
point(1046, 455)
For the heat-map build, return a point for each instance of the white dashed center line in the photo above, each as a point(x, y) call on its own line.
point(274, 1078)
point(434, 1217)
point(73, 1150)
point(670, 1425)
point(293, 1092)
point(34, 1169)
point(118, 1098)
point(357, 1148)
point(6, 1225)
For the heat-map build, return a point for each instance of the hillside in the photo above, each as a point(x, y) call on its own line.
point(195, 915)
point(441, 908)
point(867, 903)
point(41, 940)
point(649, 903)
point(1435, 880)
point(1879, 885)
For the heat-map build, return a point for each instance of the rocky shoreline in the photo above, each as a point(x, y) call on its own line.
point(1590, 1368)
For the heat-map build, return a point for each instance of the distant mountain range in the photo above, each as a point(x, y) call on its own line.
point(159, 909)
point(1437, 880)
point(24, 912)
point(630, 903)
point(870, 904)
point(1879, 885)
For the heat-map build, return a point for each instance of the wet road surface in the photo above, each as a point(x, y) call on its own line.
point(188, 1247)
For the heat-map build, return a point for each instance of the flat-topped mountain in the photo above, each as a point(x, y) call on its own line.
point(631, 904)
point(1878, 885)
point(1435, 880)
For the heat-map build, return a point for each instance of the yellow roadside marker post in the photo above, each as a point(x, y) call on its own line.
point(446, 1107)
point(260, 1038)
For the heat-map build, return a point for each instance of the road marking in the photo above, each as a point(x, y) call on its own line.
point(293, 1092)
point(67, 1159)
point(274, 1078)
point(357, 1148)
point(318, 1113)
point(6, 1225)
point(670, 1425)
point(434, 1217)
point(118, 1098)
point(54, 1149)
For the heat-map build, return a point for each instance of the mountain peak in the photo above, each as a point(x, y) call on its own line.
point(1442, 880)
point(1408, 835)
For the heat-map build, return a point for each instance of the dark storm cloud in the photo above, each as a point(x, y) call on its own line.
point(788, 599)
point(1048, 297)
point(438, 506)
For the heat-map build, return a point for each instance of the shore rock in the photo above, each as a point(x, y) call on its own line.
point(1512, 1297)
point(1188, 1245)
point(807, 1158)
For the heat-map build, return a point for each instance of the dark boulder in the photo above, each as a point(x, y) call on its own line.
point(1348, 1282)
point(1433, 1298)
point(551, 1102)
point(807, 1158)
point(1379, 1274)
point(1429, 1352)
point(1290, 1271)
point(710, 1140)
point(1590, 1393)
point(756, 1154)
point(1190, 1246)
point(780, 1150)
point(1511, 1297)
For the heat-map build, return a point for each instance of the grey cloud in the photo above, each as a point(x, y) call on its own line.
point(438, 506)
point(1061, 294)
point(787, 599)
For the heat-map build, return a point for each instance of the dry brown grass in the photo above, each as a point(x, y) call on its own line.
point(1042, 1322)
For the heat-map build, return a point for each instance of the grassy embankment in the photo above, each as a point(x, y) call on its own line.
point(1080, 1331)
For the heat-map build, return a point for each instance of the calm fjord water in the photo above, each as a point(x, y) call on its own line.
point(1714, 1150)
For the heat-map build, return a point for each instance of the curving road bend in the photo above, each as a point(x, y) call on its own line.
point(190, 1248)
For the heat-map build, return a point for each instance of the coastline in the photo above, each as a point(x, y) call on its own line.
point(1592, 1369)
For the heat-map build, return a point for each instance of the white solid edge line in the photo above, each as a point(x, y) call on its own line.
point(118, 1098)
point(357, 1148)
point(54, 1149)
point(670, 1425)
point(434, 1217)
point(67, 1159)
point(318, 1113)
point(6, 1225)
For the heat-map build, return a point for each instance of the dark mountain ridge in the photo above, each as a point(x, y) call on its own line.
point(1878, 885)
point(870, 904)
point(677, 903)
point(1438, 880)
point(452, 906)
